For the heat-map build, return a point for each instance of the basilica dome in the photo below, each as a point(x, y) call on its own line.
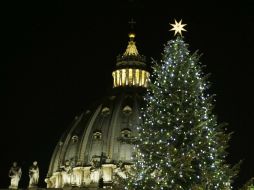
point(101, 138)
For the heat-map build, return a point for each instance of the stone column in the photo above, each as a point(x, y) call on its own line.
point(107, 172)
point(86, 176)
point(56, 180)
point(77, 176)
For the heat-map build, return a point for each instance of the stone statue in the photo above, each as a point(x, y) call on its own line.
point(95, 175)
point(33, 175)
point(15, 175)
point(95, 171)
point(120, 170)
point(67, 173)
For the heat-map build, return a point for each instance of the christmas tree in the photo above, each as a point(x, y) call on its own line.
point(249, 185)
point(181, 145)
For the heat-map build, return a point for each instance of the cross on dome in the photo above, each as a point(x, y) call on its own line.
point(132, 22)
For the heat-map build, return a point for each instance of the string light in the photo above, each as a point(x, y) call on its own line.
point(181, 146)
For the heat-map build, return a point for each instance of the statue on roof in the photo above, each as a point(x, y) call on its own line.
point(15, 175)
point(67, 172)
point(33, 175)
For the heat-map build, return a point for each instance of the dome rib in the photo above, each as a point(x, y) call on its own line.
point(86, 134)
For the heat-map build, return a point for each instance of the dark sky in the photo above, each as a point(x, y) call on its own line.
point(58, 57)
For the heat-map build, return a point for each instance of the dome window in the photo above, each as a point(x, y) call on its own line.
point(130, 77)
point(126, 133)
point(97, 135)
point(112, 97)
point(105, 111)
point(74, 138)
point(87, 111)
point(60, 143)
point(127, 110)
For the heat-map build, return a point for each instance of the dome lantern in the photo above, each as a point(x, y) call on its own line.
point(131, 48)
point(130, 67)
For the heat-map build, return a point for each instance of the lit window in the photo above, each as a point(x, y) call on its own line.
point(105, 111)
point(118, 78)
point(74, 138)
point(136, 76)
point(123, 77)
point(114, 78)
point(126, 133)
point(143, 78)
point(127, 110)
point(130, 77)
point(146, 79)
point(60, 143)
point(97, 135)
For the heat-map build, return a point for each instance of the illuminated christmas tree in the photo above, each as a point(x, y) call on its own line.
point(181, 145)
point(249, 185)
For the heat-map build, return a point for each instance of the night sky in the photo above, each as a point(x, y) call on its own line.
point(58, 57)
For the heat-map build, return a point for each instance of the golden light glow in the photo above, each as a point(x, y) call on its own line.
point(131, 35)
point(123, 71)
point(137, 77)
point(114, 78)
point(130, 77)
point(143, 78)
point(178, 27)
point(81, 176)
point(117, 77)
point(131, 49)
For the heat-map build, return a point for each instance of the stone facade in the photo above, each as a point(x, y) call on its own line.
point(99, 143)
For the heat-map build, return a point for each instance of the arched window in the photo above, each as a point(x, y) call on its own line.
point(60, 143)
point(105, 111)
point(126, 133)
point(74, 138)
point(97, 135)
point(127, 110)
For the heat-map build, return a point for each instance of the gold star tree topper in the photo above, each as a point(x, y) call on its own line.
point(178, 27)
